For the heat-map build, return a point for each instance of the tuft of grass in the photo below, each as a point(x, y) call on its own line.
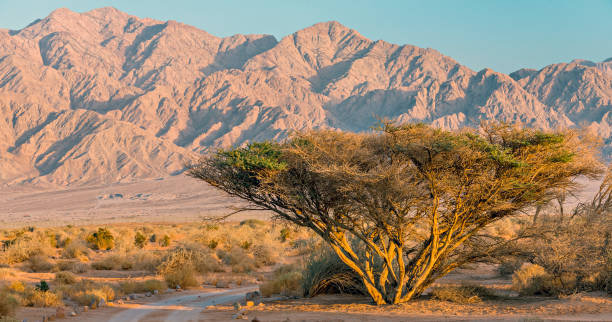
point(325, 273)
point(287, 280)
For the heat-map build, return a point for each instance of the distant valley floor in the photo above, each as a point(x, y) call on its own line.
point(172, 199)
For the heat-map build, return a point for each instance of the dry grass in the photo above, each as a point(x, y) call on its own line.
point(465, 294)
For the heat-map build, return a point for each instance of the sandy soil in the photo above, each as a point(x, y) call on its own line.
point(174, 199)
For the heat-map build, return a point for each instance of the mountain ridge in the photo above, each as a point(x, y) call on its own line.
point(104, 96)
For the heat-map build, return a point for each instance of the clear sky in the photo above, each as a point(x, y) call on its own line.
point(502, 35)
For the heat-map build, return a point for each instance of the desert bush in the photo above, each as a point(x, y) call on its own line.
point(40, 263)
point(165, 241)
point(85, 292)
point(17, 287)
point(40, 298)
point(465, 294)
point(508, 265)
point(24, 247)
point(103, 239)
point(285, 234)
point(65, 277)
point(150, 285)
point(140, 240)
point(287, 280)
point(240, 260)
point(325, 273)
point(111, 261)
point(143, 260)
point(575, 252)
point(532, 279)
point(73, 266)
point(179, 268)
point(76, 250)
point(8, 305)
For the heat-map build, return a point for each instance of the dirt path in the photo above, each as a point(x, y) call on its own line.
point(181, 308)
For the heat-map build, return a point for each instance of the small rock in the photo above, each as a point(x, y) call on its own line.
point(255, 319)
point(119, 301)
point(93, 305)
point(252, 295)
point(149, 294)
point(132, 296)
point(249, 303)
point(178, 288)
point(85, 308)
point(60, 313)
point(72, 313)
point(222, 284)
point(102, 303)
point(155, 292)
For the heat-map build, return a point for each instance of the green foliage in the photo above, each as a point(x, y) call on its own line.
point(42, 286)
point(102, 239)
point(140, 240)
point(165, 241)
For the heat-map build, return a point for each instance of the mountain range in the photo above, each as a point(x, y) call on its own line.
point(104, 96)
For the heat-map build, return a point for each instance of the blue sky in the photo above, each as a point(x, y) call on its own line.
point(502, 35)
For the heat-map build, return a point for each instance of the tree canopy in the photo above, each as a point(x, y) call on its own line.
point(406, 205)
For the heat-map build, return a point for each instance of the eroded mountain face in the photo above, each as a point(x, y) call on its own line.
point(103, 96)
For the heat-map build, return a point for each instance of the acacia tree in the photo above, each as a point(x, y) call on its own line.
point(415, 198)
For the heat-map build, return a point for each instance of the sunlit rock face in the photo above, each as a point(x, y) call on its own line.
point(104, 96)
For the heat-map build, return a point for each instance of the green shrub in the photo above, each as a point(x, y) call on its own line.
point(102, 239)
point(42, 286)
point(165, 241)
point(140, 240)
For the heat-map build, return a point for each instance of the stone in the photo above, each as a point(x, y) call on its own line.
point(93, 304)
point(155, 292)
point(102, 303)
point(149, 294)
point(72, 313)
point(252, 295)
point(85, 308)
point(119, 301)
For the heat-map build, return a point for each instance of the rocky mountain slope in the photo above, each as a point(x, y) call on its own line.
point(104, 96)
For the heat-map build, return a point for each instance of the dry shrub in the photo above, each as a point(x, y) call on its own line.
point(325, 273)
point(17, 287)
point(25, 247)
point(240, 260)
point(76, 250)
point(38, 298)
point(143, 260)
point(40, 263)
point(465, 294)
point(532, 279)
point(65, 277)
point(131, 286)
point(86, 292)
point(179, 268)
point(286, 280)
point(111, 261)
point(8, 305)
point(73, 266)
